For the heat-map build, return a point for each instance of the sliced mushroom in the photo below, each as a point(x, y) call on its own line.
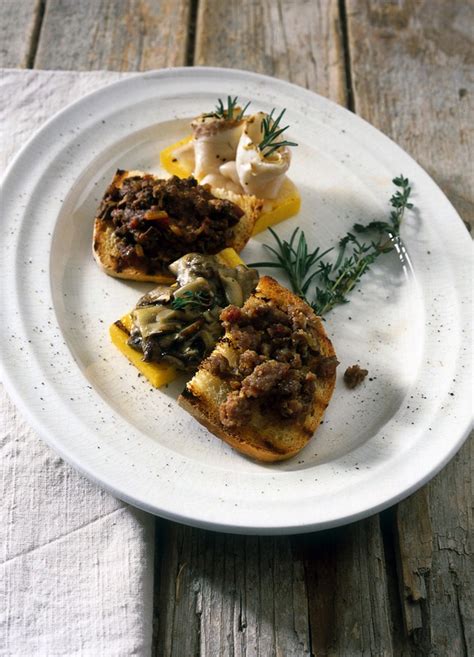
point(159, 294)
point(183, 336)
point(189, 330)
point(233, 290)
point(199, 284)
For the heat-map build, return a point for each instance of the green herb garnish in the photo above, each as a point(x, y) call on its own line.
point(193, 300)
point(271, 131)
point(334, 281)
point(296, 261)
point(222, 112)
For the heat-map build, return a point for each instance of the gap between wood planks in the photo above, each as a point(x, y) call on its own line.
point(39, 16)
point(191, 39)
point(350, 97)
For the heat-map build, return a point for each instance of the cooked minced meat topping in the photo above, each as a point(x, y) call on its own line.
point(278, 363)
point(354, 375)
point(158, 221)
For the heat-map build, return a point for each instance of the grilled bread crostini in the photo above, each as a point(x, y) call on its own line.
point(145, 223)
point(268, 381)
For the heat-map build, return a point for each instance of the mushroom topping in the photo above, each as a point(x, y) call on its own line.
point(180, 325)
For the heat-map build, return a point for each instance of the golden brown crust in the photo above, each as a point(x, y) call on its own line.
point(104, 243)
point(262, 438)
point(207, 418)
point(252, 207)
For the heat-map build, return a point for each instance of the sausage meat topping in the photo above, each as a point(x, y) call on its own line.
point(278, 362)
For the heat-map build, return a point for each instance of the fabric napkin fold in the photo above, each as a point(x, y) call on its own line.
point(76, 573)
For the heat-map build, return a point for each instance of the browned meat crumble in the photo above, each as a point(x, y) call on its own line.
point(278, 362)
point(157, 221)
point(354, 375)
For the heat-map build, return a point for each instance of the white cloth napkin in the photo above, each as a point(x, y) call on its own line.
point(76, 573)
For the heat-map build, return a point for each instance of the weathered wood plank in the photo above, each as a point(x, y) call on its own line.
point(450, 605)
point(230, 595)
point(120, 35)
point(412, 66)
point(295, 40)
point(436, 565)
point(233, 595)
point(19, 25)
point(414, 556)
point(422, 96)
point(348, 600)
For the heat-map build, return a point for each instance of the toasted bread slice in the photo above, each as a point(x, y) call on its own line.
point(105, 242)
point(266, 436)
point(251, 206)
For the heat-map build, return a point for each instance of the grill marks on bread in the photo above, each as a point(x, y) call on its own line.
point(267, 383)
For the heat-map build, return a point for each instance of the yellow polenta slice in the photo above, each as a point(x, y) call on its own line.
point(158, 374)
point(170, 159)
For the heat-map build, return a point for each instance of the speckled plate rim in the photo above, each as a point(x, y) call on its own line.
point(456, 252)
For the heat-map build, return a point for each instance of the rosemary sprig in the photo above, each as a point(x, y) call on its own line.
point(195, 300)
point(295, 260)
point(334, 280)
point(222, 112)
point(271, 131)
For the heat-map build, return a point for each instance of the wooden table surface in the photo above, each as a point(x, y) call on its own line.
point(401, 582)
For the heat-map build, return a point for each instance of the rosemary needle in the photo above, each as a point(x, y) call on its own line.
point(296, 261)
point(271, 131)
point(222, 112)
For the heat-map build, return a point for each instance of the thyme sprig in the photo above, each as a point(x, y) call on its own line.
point(399, 202)
point(334, 280)
point(222, 112)
point(199, 300)
point(271, 131)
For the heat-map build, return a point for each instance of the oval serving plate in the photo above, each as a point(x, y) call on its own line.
point(407, 322)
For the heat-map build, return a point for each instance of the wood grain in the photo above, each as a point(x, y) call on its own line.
point(19, 24)
point(412, 67)
point(450, 604)
point(120, 35)
point(414, 557)
point(347, 591)
point(436, 566)
point(230, 595)
point(297, 40)
point(422, 96)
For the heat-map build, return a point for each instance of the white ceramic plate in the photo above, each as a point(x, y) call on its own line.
point(407, 322)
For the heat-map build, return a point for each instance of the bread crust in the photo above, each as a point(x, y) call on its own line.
point(104, 243)
point(262, 438)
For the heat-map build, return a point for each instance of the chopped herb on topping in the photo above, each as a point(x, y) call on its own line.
point(195, 300)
